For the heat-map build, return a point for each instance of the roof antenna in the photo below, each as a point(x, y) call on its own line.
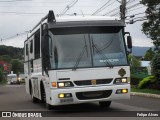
point(82, 13)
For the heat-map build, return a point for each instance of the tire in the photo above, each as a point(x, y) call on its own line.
point(34, 100)
point(105, 104)
point(49, 107)
point(43, 95)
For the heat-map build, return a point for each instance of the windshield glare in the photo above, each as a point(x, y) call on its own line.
point(90, 49)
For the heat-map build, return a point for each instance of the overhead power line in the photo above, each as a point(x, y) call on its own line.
point(133, 21)
point(21, 13)
point(14, 36)
point(136, 8)
point(115, 14)
point(132, 6)
point(133, 18)
point(68, 7)
point(14, 0)
point(133, 15)
point(130, 1)
point(140, 13)
point(102, 7)
point(111, 11)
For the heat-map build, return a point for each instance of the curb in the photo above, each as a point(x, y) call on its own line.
point(145, 95)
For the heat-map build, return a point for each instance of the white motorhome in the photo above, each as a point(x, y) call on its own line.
point(77, 59)
point(12, 79)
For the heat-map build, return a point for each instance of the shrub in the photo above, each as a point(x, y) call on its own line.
point(135, 80)
point(134, 62)
point(147, 82)
point(1, 76)
point(155, 63)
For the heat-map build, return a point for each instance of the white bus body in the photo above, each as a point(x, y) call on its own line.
point(76, 59)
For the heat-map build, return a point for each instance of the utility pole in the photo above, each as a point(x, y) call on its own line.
point(123, 10)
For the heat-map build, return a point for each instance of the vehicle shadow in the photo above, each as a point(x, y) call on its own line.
point(80, 110)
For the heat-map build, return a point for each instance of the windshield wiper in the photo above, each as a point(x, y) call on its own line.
point(81, 55)
point(79, 58)
point(107, 62)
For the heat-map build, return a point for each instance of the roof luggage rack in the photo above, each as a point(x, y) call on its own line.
point(50, 18)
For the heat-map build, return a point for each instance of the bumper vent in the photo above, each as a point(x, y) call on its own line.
point(93, 94)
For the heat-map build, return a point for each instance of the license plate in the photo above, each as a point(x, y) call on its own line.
point(66, 100)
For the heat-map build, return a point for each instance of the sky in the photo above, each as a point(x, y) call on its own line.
point(19, 16)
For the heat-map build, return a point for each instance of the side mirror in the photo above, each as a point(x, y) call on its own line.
point(129, 42)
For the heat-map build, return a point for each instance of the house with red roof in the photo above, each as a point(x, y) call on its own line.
point(5, 66)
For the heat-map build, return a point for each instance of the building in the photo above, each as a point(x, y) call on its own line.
point(147, 65)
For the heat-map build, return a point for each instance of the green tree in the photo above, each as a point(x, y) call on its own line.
point(149, 54)
point(151, 26)
point(17, 66)
point(13, 52)
point(1, 75)
point(134, 62)
point(6, 58)
point(155, 63)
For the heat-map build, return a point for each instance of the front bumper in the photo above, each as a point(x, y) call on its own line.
point(54, 100)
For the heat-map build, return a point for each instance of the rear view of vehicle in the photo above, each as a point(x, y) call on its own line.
point(12, 79)
point(21, 78)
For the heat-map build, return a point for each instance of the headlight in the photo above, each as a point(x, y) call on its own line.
point(61, 95)
point(64, 95)
point(120, 80)
point(124, 80)
point(65, 84)
point(121, 91)
point(60, 84)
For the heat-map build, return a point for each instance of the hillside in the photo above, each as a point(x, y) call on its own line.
point(17, 53)
point(139, 51)
point(13, 52)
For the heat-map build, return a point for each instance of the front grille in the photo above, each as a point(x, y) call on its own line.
point(88, 82)
point(93, 94)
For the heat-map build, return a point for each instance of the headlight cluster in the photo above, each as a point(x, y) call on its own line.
point(65, 84)
point(19, 79)
point(64, 95)
point(121, 91)
point(120, 80)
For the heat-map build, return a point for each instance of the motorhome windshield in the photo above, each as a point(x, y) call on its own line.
point(86, 48)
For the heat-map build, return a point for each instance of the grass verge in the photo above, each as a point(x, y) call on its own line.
point(3, 83)
point(145, 91)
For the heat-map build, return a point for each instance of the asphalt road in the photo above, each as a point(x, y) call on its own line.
point(14, 98)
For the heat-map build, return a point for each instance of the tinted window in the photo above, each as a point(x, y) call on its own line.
point(37, 44)
point(26, 49)
point(31, 46)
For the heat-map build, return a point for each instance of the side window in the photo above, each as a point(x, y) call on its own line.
point(37, 44)
point(31, 46)
point(27, 49)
